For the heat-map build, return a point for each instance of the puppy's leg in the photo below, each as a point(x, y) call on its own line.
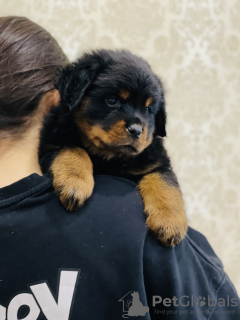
point(72, 172)
point(164, 208)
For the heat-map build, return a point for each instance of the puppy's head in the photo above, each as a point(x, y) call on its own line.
point(116, 101)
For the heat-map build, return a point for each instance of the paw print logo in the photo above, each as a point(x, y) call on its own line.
point(201, 301)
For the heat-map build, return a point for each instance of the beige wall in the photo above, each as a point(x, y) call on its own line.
point(195, 47)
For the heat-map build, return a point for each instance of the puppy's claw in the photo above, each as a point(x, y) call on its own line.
point(169, 233)
point(74, 192)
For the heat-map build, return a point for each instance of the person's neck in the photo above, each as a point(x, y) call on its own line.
point(19, 158)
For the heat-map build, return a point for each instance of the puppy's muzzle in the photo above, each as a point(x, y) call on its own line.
point(135, 131)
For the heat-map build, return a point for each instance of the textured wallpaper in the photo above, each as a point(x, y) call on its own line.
point(194, 46)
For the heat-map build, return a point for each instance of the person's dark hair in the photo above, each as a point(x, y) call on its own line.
point(30, 63)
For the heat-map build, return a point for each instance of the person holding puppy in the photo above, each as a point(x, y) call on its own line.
point(100, 262)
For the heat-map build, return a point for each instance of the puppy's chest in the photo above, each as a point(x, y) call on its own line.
point(114, 166)
point(132, 168)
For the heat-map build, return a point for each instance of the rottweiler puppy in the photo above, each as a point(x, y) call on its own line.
point(111, 120)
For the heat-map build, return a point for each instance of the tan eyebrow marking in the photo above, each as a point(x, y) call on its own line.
point(124, 94)
point(148, 102)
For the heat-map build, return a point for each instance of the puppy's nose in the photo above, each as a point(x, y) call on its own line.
point(135, 130)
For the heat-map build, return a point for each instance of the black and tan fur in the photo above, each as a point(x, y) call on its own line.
point(111, 120)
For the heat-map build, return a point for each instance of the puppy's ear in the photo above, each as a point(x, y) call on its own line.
point(161, 116)
point(76, 78)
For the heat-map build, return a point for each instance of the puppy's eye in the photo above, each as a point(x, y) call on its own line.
point(112, 101)
point(148, 109)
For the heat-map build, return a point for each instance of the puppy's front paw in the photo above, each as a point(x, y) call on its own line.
point(72, 177)
point(73, 191)
point(170, 227)
point(164, 209)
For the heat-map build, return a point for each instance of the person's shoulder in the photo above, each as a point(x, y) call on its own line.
point(199, 244)
point(193, 252)
point(190, 269)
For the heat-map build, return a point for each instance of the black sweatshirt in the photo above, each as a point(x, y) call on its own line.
point(101, 262)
